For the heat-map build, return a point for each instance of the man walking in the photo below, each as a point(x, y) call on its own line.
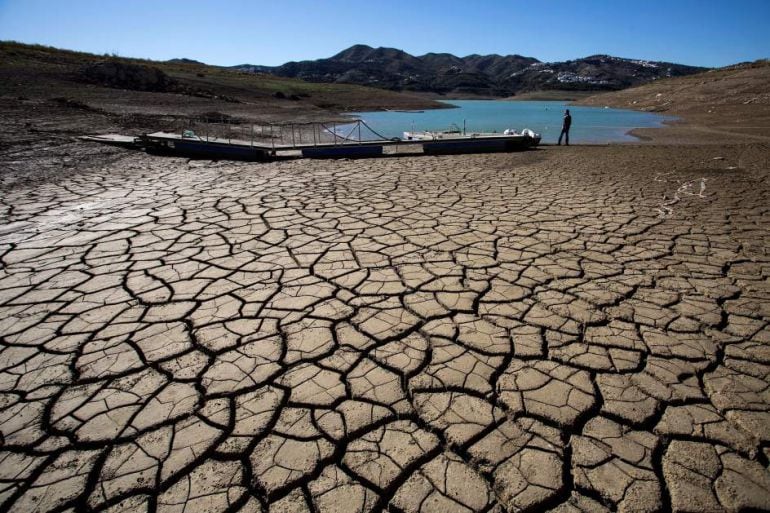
point(565, 127)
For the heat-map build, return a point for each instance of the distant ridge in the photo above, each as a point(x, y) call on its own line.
point(489, 75)
point(183, 60)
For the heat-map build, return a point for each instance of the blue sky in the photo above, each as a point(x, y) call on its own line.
point(699, 32)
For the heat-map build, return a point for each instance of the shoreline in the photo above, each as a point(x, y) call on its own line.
point(632, 132)
point(728, 105)
point(42, 120)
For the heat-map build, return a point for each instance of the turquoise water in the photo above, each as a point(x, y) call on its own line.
point(589, 124)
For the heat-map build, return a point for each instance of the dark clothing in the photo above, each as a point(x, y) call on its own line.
point(564, 133)
point(565, 128)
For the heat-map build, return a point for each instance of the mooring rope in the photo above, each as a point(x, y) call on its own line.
point(355, 124)
point(375, 132)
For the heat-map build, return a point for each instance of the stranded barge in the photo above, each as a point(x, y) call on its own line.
point(324, 143)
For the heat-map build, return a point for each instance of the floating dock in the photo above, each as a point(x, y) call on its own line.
point(189, 144)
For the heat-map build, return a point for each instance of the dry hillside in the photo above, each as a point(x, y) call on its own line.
point(48, 97)
point(179, 87)
point(728, 101)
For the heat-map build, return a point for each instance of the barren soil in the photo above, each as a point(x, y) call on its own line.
point(723, 105)
point(566, 329)
point(522, 332)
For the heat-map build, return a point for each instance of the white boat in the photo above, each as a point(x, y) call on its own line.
point(456, 141)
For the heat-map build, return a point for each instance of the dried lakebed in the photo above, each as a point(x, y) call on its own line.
point(539, 331)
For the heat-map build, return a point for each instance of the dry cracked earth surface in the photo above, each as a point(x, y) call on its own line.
point(582, 329)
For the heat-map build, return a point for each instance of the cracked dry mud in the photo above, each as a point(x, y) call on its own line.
point(523, 332)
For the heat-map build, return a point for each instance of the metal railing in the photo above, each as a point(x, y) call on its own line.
point(276, 135)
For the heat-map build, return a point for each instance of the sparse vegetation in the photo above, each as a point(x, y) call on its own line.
point(735, 98)
point(39, 71)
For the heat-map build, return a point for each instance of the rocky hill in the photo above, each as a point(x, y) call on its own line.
point(489, 75)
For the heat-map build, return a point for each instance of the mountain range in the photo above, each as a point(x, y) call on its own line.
point(488, 75)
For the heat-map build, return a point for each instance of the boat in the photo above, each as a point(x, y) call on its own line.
point(452, 141)
point(456, 141)
point(429, 135)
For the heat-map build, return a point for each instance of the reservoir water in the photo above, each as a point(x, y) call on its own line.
point(589, 124)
